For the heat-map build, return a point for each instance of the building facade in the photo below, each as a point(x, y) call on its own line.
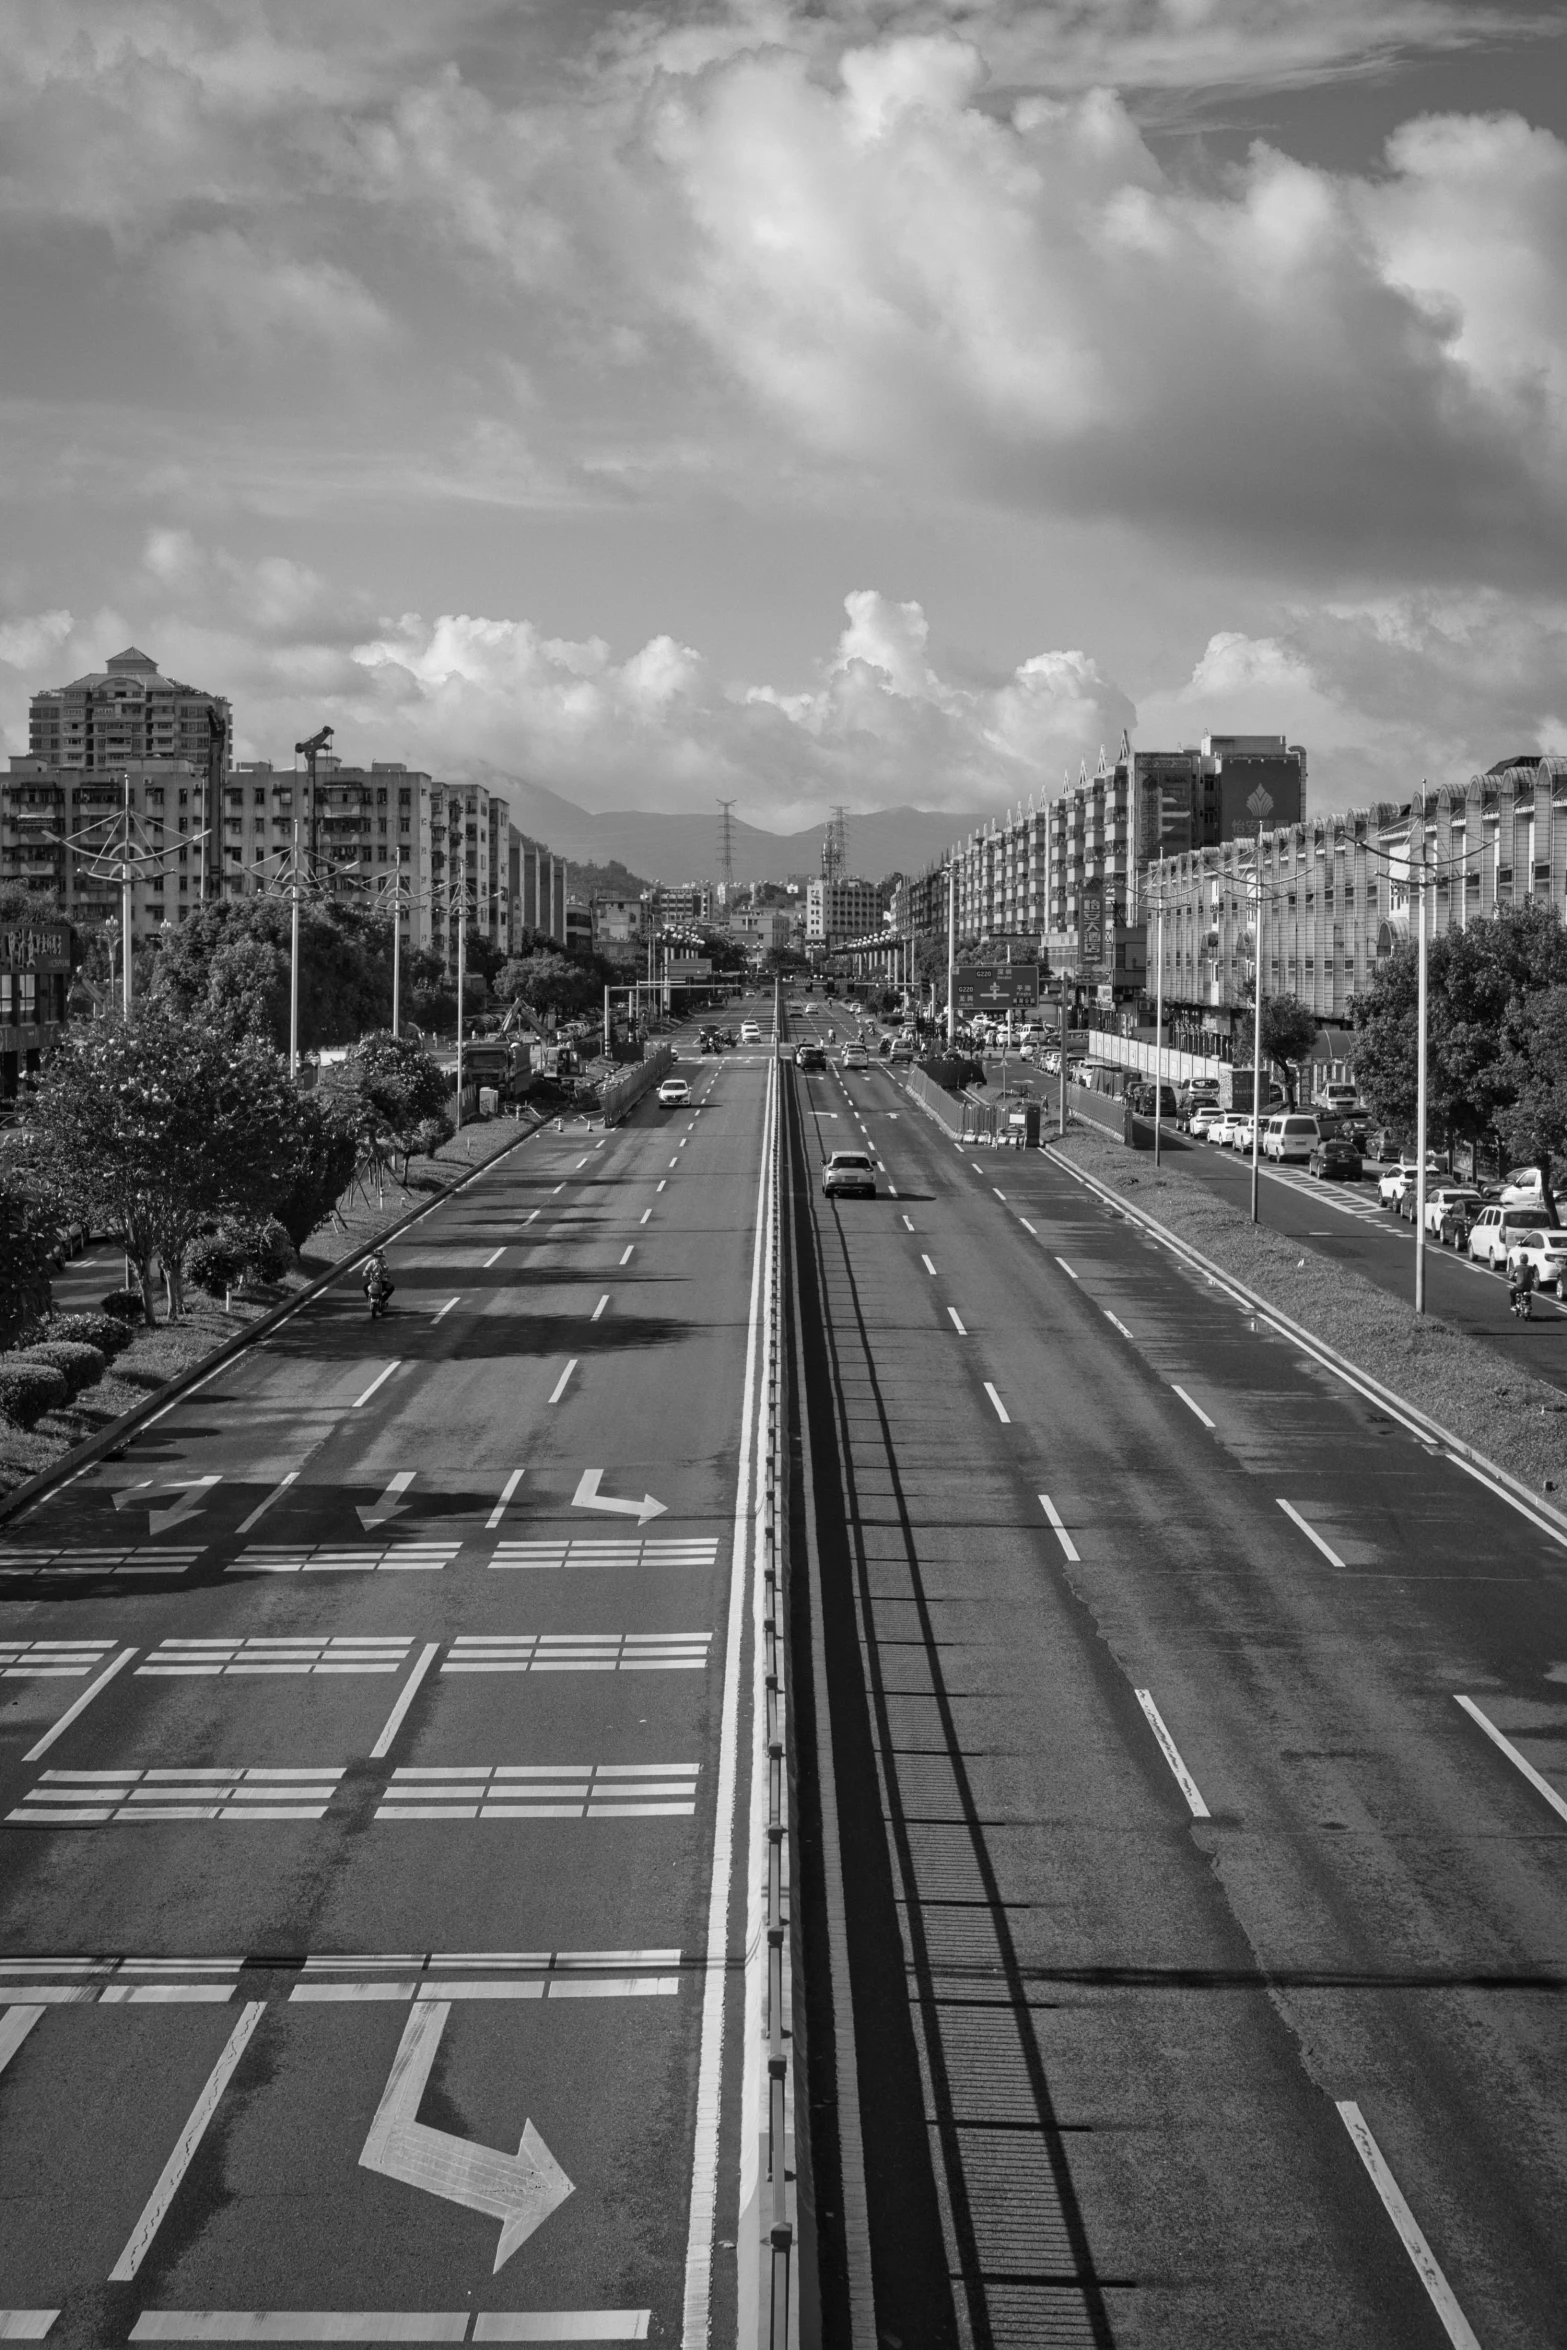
point(682, 905)
point(35, 977)
point(840, 909)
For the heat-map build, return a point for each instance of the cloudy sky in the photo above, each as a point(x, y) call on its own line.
point(875, 400)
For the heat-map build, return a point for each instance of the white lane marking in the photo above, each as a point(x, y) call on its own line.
point(493, 1258)
point(559, 1188)
point(625, 1256)
point(1028, 1227)
point(999, 1194)
point(1541, 1786)
point(441, 1315)
point(892, 1190)
point(1062, 1536)
point(1443, 2300)
point(560, 1384)
point(58, 1729)
point(908, 1224)
point(1066, 1268)
point(659, 1185)
point(405, 1698)
point(1190, 1405)
point(388, 2325)
point(674, 1162)
point(1172, 1755)
point(680, 1145)
point(362, 1558)
point(15, 2024)
point(1312, 1535)
point(595, 1551)
point(1120, 1325)
point(599, 1308)
point(262, 1507)
point(929, 1267)
point(155, 2211)
point(647, 1211)
point(581, 1163)
point(499, 1511)
point(263, 1655)
point(978, 1169)
point(541, 1791)
point(379, 1380)
point(1002, 1414)
point(532, 1216)
point(598, 1146)
point(956, 1319)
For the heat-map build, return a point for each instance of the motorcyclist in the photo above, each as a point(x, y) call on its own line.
point(377, 1284)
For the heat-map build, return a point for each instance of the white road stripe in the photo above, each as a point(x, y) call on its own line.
point(1540, 1785)
point(499, 1511)
point(1312, 1535)
point(1120, 1325)
point(1028, 1227)
point(1190, 1406)
point(379, 1380)
point(978, 1169)
point(957, 1321)
point(625, 1257)
point(206, 2105)
point(999, 1194)
point(599, 1308)
point(1002, 1414)
point(908, 1224)
point(15, 2025)
point(659, 1185)
point(442, 1313)
point(493, 1258)
point(929, 1267)
point(581, 1163)
point(406, 1696)
point(1443, 2299)
point(1066, 1268)
point(387, 2325)
point(262, 1507)
point(1062, 1536)
point(647, 1211)
point(560, 1384)
point(1172, 1755)
point(80, 1707)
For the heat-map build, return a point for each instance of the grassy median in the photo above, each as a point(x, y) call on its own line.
point(1516, 1420)
point(154, 1357)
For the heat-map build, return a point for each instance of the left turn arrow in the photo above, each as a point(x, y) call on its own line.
point(192, 1492)
point(391, 1503)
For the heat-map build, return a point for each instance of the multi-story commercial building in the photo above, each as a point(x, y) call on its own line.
point(683, 905)
point(621, 921)
point(836, 909)
point(1337, 891)
point(35, 978)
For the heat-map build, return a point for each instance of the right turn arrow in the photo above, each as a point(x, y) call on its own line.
point(520, 2190)
point(588, 1497)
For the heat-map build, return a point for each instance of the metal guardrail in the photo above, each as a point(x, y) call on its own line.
point(775, 2310)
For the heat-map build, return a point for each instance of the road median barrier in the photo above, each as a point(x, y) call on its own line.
point(632, 1081)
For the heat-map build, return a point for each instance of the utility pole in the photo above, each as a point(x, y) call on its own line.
point(462, 969)
point(952, 956)
point(1261, 805)
point(293, 952)
point(310, 752)
point(1158, 1028)
point(1420, 1063)
point(726, 850)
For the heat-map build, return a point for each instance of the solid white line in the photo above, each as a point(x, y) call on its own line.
point(80, 1707)
point(499, 1511)
point(206, 2105)
point(626, 1254)
point(1062, 1536)
point(1541, 1786)
point(908, 1225)
point(379, 1380)
point(599, 1308)
point(1312, 1535)
point(444, 1310)
point(532, 1216)
point(406, 1696)
point(493, 1258)
point(1172, 1755)
point(704, 2168)
point(15, 2024)
point(262, 1507)
point(957, 1323)
point(929, 1267)
point(1190, 1406)
point(1002, 1414)
point(1066, 1268)
point(388, 2325)
point(1028, 1227)
point(1120, 1325)
point(560, 1384)
point(1459, 2331)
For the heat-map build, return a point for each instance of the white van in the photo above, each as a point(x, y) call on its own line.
point(1293, 1136)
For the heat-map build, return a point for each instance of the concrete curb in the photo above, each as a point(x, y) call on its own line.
point(1419, 1423)
point(109, 1440)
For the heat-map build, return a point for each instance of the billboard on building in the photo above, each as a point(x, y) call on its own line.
point(1093, 916)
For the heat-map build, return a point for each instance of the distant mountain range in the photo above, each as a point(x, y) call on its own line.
point(685, 848)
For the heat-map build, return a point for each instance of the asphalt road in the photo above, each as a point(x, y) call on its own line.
point(1191, 1958)
point(374, 1846)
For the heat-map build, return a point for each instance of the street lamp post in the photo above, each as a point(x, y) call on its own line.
point(1261, 805)
point(293, 953)
point(1158, 1026)
point(1420, 1072)
point(952, 956)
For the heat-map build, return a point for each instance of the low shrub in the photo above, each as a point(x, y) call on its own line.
point(430, 1133)
point(104, 1331)
point(124, 1305)
point(237, 1251)
point(213, 1262)
point(80, 1365)
point(28, 1390)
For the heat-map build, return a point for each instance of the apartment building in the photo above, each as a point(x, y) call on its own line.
point(682, 905)
point(839, 909)
point(620, 921)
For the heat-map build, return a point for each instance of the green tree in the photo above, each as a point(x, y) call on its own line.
point(1289, 1030)
point(322, 1153)
point(389, 1085)
point(154, 1127)
point(231, 960)
point(550, 982)
point(26, 1242)
point(1476, 977)
point(1534, 1067)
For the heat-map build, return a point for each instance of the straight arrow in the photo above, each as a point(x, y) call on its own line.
point(520, 2190)
point(390, 1505)
point(588, 1497)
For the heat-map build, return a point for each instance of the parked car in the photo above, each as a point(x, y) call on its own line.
point(1205, 1117)
point(1335, 1160)
point(674, 1093)
point(1141, 1098)
point(1546, 1250)
point(1457, 1221)
point(1290, 1136)
point(1495, 1229)
point(1521, 1189)
point(1392, 1186)
point(850, 1172)
point(1449, 1195)
point(1338, 1094)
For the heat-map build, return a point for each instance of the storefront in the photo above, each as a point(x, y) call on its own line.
point(35, 978)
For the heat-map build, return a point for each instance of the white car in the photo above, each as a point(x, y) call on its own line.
point(1237, 1131)
point(1450, 1195)
point(674, 1093)
point(1546, 1250)
point(1522, 1189)
point(1338, 1097)
point(854, 1056)
point(1205, 1118)
point(1392, 1186)
point(1495, 1229)
point(1290, 1136)
point(749, 1032)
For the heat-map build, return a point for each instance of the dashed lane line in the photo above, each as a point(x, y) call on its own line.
point(908, 1224)
point(1427, 2267)
point(599, 1308)
point(625, 1256)
point(561, 1382)
point(1000, 1194)
point(925, 1261)
point(1061, 1534)
point(1190, 1405)
point(1028, 1227)
point(262, 1507)
point(73, 1712)
point(493, 1258)
point(1172, 1755)
point(405, 1697)
point(390, 2325)
point(379, 1380)
point(1066, 1269)
point(1312, 1535)
point(642, 1219)
point(442, 1313)
point(499, 1511)
point(1002, 1414)
point(957, 1323)
point(1119, 1324)
point(1541, 1786)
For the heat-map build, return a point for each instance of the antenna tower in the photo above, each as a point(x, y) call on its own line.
point(726, 848)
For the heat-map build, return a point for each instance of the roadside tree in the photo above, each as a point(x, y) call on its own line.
point(390, 1087)
point(231, 962)
point(1534, 1066)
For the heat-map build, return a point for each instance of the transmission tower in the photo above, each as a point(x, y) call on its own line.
point(726, 848)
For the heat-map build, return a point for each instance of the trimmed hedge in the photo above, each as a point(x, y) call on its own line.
point(28, 1390)
point(81, 1366)
point(124, 1304)
point(103, 1331)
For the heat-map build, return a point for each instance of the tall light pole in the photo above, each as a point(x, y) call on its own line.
point(952, 957)
point(1420, 1063)
point(1261, 806)
point(1158, 1026)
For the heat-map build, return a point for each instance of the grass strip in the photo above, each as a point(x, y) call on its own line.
point(1516, 1420)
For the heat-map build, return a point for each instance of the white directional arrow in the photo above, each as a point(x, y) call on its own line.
point(390, 1505)
point(588, 1497)
point(520, 2190)
point(193, 1492)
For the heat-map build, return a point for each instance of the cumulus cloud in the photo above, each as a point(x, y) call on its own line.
point(226, 291)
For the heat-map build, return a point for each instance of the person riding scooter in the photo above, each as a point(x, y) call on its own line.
point(1521, 1282)
point(377, 1285)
